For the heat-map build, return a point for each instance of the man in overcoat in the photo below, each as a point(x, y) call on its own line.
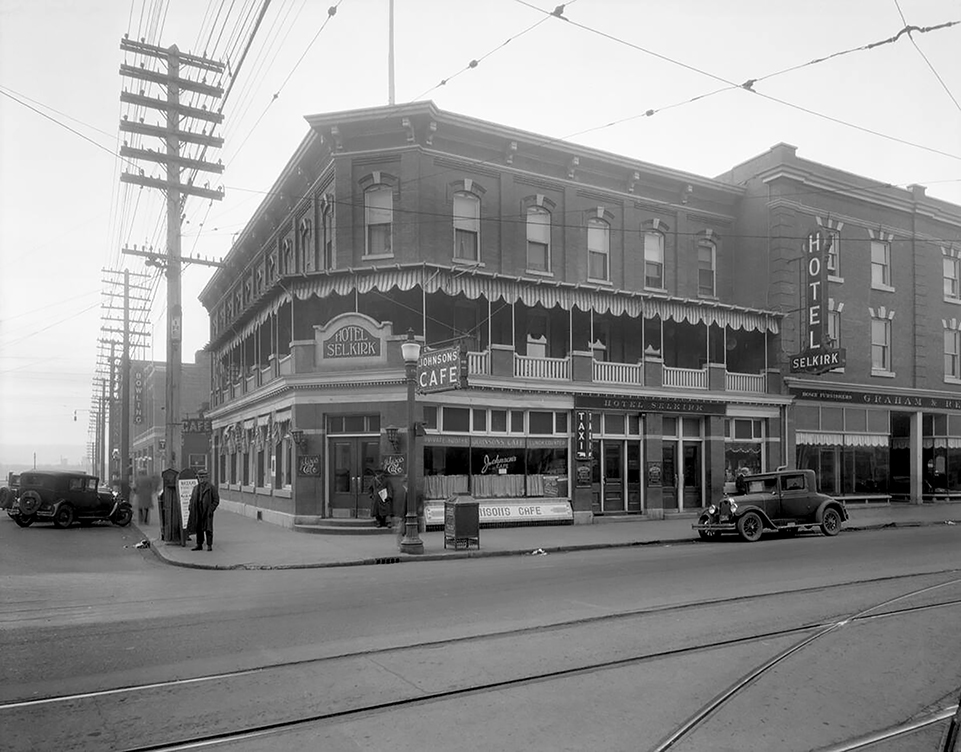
point(204, 499)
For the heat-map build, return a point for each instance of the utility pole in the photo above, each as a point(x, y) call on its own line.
point(177, 191)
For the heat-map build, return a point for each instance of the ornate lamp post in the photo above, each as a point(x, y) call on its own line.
point(411, 544)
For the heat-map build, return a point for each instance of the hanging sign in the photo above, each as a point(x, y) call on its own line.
point(441, 370)
point(138, 395)
point(583, 438)
point(817, 357)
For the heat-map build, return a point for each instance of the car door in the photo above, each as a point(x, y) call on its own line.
point(796, 501)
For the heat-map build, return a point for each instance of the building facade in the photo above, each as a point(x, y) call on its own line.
point(616, 361)
point(886, 421)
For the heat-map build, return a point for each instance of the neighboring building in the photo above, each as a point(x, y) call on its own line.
point(887, 421)
point(619, 362)
point(148, 414)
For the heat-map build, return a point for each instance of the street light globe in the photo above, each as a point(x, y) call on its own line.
point(411, 351)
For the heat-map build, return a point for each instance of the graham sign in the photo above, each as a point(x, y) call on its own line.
point(440, 370)
point(816, 358)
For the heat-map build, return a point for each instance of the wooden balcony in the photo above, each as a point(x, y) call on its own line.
point(618, 373)
point(746, 382)
point(542, 369)
point(685, 378)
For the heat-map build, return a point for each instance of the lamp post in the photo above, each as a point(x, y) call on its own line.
point(411, 544)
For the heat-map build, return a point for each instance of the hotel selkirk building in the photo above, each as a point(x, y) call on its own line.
point(633, 336)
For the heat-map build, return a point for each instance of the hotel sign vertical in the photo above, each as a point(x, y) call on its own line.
point(583, 438)
point(817, 357)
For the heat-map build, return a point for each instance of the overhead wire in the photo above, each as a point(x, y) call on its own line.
point(923, 56)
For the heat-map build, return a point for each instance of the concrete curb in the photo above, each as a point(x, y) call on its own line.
point(479, 554)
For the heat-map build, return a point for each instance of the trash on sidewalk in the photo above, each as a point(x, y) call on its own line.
point(539, 552)
point(950, 522)
point(143, 544)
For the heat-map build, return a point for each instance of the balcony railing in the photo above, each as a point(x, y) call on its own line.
point(618, 373)
point(685, 378)
point(553, 369)
point(746, 382)
point(479, 363)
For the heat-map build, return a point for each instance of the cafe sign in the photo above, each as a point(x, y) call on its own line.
point(441, 370)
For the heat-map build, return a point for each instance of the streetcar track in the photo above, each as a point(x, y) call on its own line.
point(904, 729)
point(821, 628)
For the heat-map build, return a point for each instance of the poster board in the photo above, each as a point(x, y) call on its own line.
point(185, 487)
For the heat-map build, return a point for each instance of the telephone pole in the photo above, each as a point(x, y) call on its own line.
point(176, 190)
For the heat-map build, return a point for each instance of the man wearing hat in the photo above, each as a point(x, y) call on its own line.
point(204, 499)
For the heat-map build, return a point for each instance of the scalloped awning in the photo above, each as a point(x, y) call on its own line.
point(475, 284)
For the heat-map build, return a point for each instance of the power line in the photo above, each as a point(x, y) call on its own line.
point(924, 57)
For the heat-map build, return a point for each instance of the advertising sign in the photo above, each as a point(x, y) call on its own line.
point(308, 465)
point(816, 358)
point(352, 341)
point(138, 395)
point(441, 370)
point(582, 435)
point(196, 425)
point(651, 404)
point(491, 511)
point(185, 487)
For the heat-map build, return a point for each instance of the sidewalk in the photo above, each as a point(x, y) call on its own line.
point(244, 543)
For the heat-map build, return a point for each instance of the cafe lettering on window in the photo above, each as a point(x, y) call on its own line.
point(818, 356)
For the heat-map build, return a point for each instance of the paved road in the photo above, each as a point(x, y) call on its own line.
point(83, 611)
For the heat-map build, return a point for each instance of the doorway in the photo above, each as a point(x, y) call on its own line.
point(353, 462)
point(616, 476)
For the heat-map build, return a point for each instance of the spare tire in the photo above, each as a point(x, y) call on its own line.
point(30, 502)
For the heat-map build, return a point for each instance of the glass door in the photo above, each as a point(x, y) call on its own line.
point(613, 471)
point(669, 475)
point(693, 491)
point(353, 462)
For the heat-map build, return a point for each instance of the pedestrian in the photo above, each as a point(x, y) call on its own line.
point(381, 499)
point(204, 499)
point(143, 491)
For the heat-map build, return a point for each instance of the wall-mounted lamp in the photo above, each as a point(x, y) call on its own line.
point(299, 439)
point(392, 436)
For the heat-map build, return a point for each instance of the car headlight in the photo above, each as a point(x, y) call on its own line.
point(711, 509)
point(733, 507)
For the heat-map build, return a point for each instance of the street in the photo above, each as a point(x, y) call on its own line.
point(104, 647)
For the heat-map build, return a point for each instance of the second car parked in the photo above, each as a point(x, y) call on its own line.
point(64, 498)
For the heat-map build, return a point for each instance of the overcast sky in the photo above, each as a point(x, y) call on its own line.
point(891, 113)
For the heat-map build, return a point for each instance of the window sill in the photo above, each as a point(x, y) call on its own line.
point(536, 273)
point(832, 278)
point(702, 296)
point(377, 256)
point(882, 288)
point(952, 301)
point(282, 493)
point(660, 290)
point(883, 374)
point(248, 489)
point(600, 281)
point(952, 380)
point(465, 262)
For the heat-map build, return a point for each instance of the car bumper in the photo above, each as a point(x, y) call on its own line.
point(715, 527)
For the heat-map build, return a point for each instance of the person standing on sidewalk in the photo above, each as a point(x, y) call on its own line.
point(143, 491)
point(204, 500)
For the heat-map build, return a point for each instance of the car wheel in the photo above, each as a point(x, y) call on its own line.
point(750, 527)
point(831, 522)
point(24, 520)
point(123, 517)
point(64, 516)
point(29, 502)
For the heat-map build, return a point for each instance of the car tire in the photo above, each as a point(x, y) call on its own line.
point(24, 520)
point(64, 516)
point(707, 535)
point(750, 526)
point(123, 517)
point(831, 522)
point(30, 502)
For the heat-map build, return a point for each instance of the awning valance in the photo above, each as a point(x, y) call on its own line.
point(821, 438)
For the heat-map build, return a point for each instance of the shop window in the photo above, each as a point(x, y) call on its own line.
point(614, 424)
point(879, 421)
point(353, 423)
point(832, 419)
point(692, 426)
point(669, 426)
point(499, 421)
point(952, 278)
point(598, 249)
point(633, 425)
point(430, 416)
point(456, 419)
point(855, 419)
point(541, 423)
point(379, 217)
point(538, 239)
point(480, 421)
point(880, 265)
point(654, 260)
point(466, 227)
point(517, 421)
point(560, 423)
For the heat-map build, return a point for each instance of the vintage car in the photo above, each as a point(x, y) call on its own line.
point(784, 501)
point(9, 492)
point(63, 498)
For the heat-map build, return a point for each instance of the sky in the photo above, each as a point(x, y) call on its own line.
point(890, 112)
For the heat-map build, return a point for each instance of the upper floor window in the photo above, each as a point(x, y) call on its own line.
point(287, 256)
point(327, 224)
point(379, 217)
point(654, 260)
point(538, 239)
point(466, 226)
point(952, 354)
point(880, 264)
point(706, 260)
point(834, 328)
point(306, 228)
point(952, 278)
point(833, 254)
point(598, 249)
point(880, 343)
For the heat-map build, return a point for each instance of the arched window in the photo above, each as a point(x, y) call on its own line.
point(654, 260)
point(538, 239)
point(379, 214)
point(466, 226)
point(598, 249)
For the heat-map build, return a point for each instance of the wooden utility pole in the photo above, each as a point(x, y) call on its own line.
point(177, 191)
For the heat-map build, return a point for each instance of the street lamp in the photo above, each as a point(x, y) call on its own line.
point(411, 544)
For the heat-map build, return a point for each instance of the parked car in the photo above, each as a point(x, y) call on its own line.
point(784, 501)
point(9, 492)
point(65, 497)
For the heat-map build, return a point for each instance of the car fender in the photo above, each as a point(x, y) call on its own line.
point(743, 509)
point(831, 503)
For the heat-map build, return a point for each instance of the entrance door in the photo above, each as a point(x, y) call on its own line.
point(669, 474)
point(692, 476)
point(353, 462)
point(613, 492)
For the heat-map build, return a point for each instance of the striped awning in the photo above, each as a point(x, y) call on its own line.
point(823, 438)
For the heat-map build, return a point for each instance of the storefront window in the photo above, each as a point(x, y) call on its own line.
point(743, 444)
